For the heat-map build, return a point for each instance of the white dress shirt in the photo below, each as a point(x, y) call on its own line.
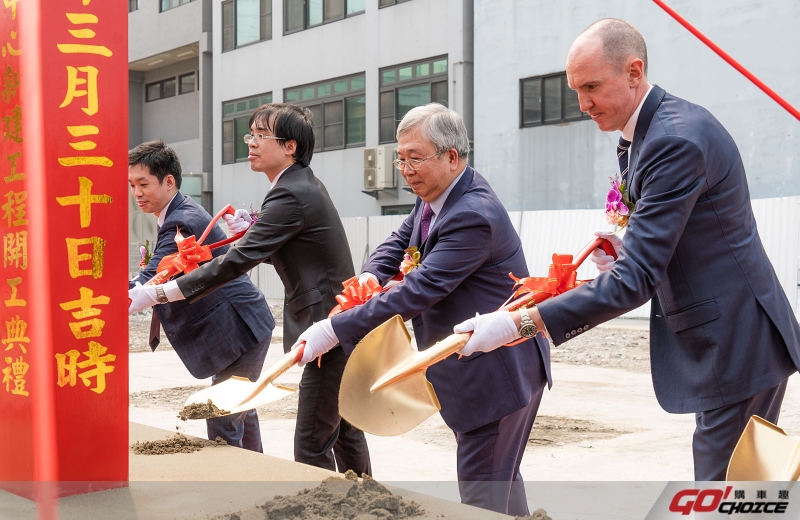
point(630, 127)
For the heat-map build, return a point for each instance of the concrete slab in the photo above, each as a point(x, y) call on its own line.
point(213, 482)
point(657, 447)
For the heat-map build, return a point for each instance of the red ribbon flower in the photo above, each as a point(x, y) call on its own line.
point(354, 294)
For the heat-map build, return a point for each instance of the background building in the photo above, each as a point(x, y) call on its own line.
point(199, 68)
point(537, 151)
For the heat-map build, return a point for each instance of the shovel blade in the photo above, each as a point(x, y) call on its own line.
point(397, 408)
point(229, 394)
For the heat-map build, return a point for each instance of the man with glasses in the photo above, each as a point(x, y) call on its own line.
point(300, 233)
point(468, 246)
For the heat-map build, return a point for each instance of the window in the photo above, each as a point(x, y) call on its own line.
point(245, 21)
point(387, 3)
point(166, 5)
point(304, 14)
point(235, 116)
point(405, 209)
point(339, 110)
point(133, 5)
point(160, 89)
point(192, 185)
point(410, 85)
point(187, 83)
point(548, 100)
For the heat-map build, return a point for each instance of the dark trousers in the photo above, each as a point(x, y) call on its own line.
point(719, 430)
point(321, 437)
point(489, 458)
point(241, 429)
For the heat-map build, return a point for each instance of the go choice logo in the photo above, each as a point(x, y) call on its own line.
point(710, 500)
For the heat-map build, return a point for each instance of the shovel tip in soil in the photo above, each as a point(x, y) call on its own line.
point(207, 410)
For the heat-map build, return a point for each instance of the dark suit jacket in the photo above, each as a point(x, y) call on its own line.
point(299, 231)
point(466, 259)
point(722, 329)
point(211, 335)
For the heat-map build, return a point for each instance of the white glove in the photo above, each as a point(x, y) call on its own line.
point(142, 297)
point(603, 261)
point(319, 339)
point(491, 331)
point(364, 277)
point(238, 222)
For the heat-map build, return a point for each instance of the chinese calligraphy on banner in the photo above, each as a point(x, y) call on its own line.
point(83, 141)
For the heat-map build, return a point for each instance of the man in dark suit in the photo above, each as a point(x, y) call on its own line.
point(468, 246)
point(227, 334)
point(300, 233)
point(723, 337)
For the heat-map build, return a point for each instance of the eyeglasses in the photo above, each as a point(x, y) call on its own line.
point(413, 164)
point(259, 137)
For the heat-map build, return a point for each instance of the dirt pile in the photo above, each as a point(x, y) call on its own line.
point(201, 411)
point(177, 444)
point(342, 499)
point(539, 514)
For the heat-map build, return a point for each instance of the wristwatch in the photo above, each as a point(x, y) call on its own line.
point(161, 296)
point(527, 329)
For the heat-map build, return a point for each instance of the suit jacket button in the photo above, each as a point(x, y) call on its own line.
point(585, 328)
point(573, 332)
point(567, 335)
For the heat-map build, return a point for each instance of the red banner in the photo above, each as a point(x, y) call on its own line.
point(64, 359)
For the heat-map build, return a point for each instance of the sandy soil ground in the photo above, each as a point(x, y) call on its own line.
point(601, 347)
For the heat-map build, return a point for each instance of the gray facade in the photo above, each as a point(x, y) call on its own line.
point(490, 46)
point(565, 166)
point(360, 44)
point(170, 96)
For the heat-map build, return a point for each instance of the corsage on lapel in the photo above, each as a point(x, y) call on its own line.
point(619, 208)
point(411, 260)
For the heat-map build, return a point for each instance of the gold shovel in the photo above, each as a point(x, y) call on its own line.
point(239, 394)
point(384, 390)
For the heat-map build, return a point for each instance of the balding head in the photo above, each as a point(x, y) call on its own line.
point(606, 66)
point(620, 42)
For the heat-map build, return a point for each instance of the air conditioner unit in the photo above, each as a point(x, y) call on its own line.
point(378, 168)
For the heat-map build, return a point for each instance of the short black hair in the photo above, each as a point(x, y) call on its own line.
point(159, 158)
point(291, 122)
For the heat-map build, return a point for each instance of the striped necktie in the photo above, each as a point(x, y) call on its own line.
point(622, 156)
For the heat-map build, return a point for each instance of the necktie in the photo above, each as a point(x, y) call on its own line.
point(155, 326)
point(155, 330)
point(622, 155)
point(425, 223)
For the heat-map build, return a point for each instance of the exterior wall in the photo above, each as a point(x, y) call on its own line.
point(378, 38)
point(566, 166)
point(175, 118)
point(180, 121)
point(135, 102)
point(151, 32)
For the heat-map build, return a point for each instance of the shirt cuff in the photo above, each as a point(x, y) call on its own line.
point(172, 291)
point(363, 277)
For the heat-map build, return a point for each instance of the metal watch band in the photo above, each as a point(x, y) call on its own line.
point(527, 329)
point(161, 296)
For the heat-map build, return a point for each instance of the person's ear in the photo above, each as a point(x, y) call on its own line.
point(169, 181)
point(290, 147)
point(452, 157)
point(635, 72)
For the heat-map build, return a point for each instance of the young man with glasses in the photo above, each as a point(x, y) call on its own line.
point(468, 247)
point(300, 233)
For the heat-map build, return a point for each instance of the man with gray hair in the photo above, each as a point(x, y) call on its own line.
point(468, 246)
